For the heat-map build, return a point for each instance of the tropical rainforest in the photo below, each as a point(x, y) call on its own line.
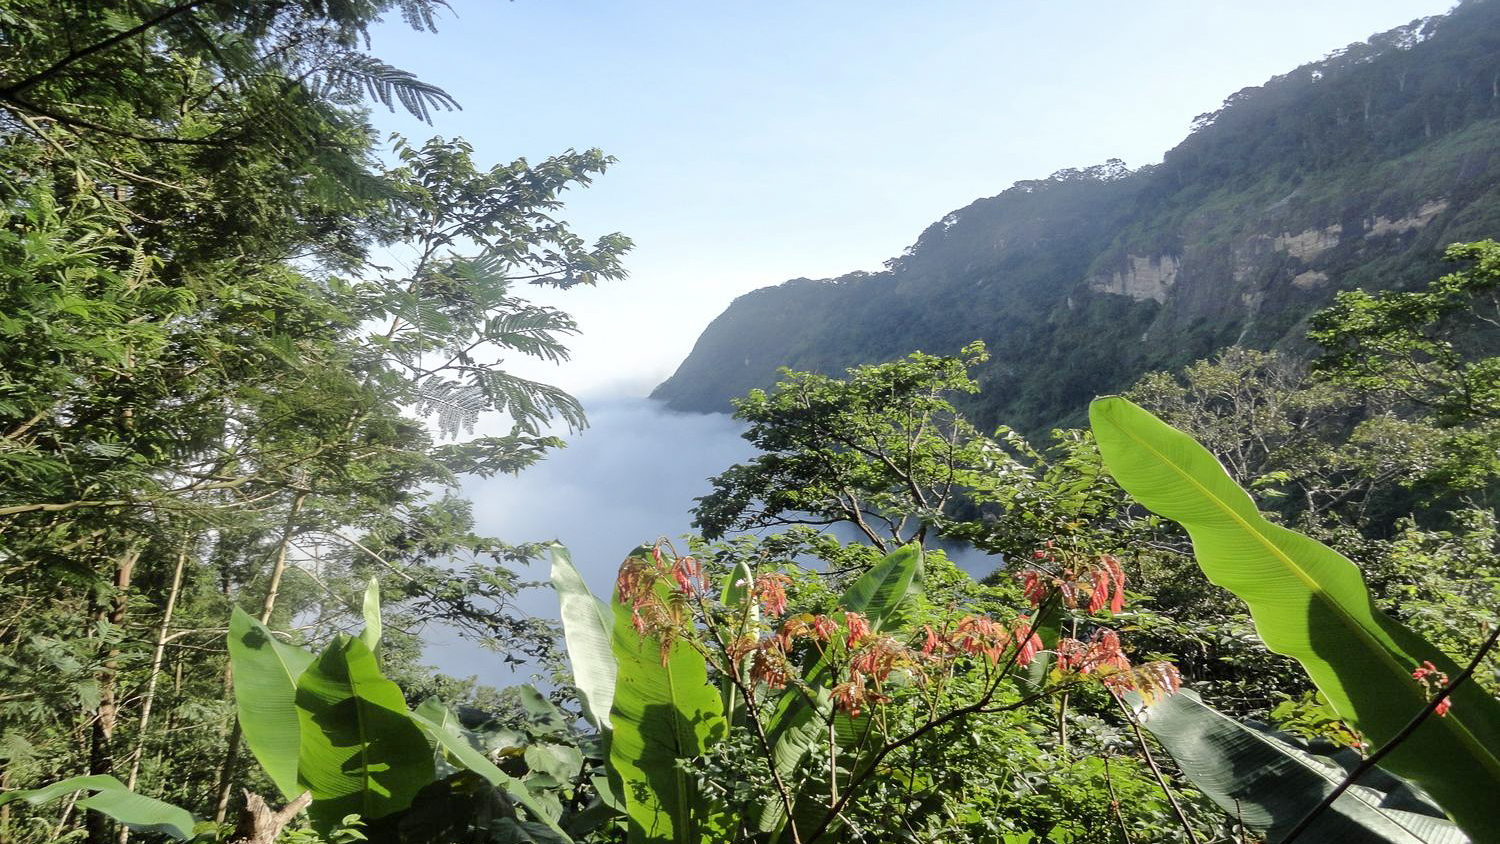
point(1244, 585)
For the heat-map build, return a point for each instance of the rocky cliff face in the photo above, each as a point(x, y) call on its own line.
point(1351, 172)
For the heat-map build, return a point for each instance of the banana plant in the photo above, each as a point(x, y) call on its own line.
point(1269, 781)
point(1310, 603)
point(110, 797)
point(335, 726)
point(665, 711)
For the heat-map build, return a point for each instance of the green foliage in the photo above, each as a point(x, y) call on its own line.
point(588, 628)
point(110, 797)
point(1433, 349)
point(1269, 781)
point(664, 712)
point(206, 388)
point(882, 450)
point(1311, 603)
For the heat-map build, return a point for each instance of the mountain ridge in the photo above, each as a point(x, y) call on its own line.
point(1352, 171)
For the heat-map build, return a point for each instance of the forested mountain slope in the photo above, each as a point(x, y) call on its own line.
point(1353, 171)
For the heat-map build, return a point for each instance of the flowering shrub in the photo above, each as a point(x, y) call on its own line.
point(766, 644)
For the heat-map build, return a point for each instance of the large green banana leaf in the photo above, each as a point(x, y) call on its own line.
point(440, 725)
point(265, 694)
point(1268, 782)
point(588, 625)
point(886, 595)
point(1310, 603)
point(112, 798)
point(662, 714)
point(362, 751)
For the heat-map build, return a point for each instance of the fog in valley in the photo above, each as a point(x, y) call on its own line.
point(627, 479)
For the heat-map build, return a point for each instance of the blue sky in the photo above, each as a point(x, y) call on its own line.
point(765, 141)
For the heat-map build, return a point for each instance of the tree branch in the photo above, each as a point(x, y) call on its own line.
point(9, 91)
point(1405, 733)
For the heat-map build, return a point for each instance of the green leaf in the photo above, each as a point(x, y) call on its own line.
point(361, 751)
point(371, 634)
point(885, 594)
point(587, 625)
point(1310, 603)
point(509, 831)
point(445, 731)
point(1264, 779)
point(265, 694)
point(112, 798)
point(543, 714)
point(662, 714)
point(743, 612)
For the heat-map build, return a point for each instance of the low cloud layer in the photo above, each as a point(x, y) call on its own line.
point(629, 478)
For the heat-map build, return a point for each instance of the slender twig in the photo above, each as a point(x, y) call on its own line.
point(978, 706)
point(162, 636)
point(78, 55)
point(1161, 779)
point(1405, 733)
point(753, 717)
point(1114, 802)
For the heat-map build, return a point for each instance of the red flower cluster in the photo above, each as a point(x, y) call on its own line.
point(661, 614)
point(858, 628)
point(977, 634)
point(1103, 657)
point(819, 628)
point(1101, 580)
point(770, 590)
point(868, 668)
point(1433, 681)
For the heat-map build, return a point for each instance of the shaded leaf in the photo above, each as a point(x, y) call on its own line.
point(361, 752)
point(1310, 603)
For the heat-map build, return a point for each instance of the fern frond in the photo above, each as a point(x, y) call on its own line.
point(532, 331)
point(351, 73)
point(531, 403)
point(457, 405)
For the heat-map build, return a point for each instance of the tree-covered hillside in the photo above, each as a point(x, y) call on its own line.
point(1353, 171)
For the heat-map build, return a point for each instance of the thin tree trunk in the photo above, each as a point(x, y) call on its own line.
point(232, 753)
point(156, 660)
point(5, 810)
point(102, 733)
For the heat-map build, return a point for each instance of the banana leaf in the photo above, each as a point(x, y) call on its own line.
point(371, 634)
point(1310, 603)
point(265, 693)
point(1269, 782)
point(662, 714)
point(362, 751)
point(111, 797)
point(588, 625)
